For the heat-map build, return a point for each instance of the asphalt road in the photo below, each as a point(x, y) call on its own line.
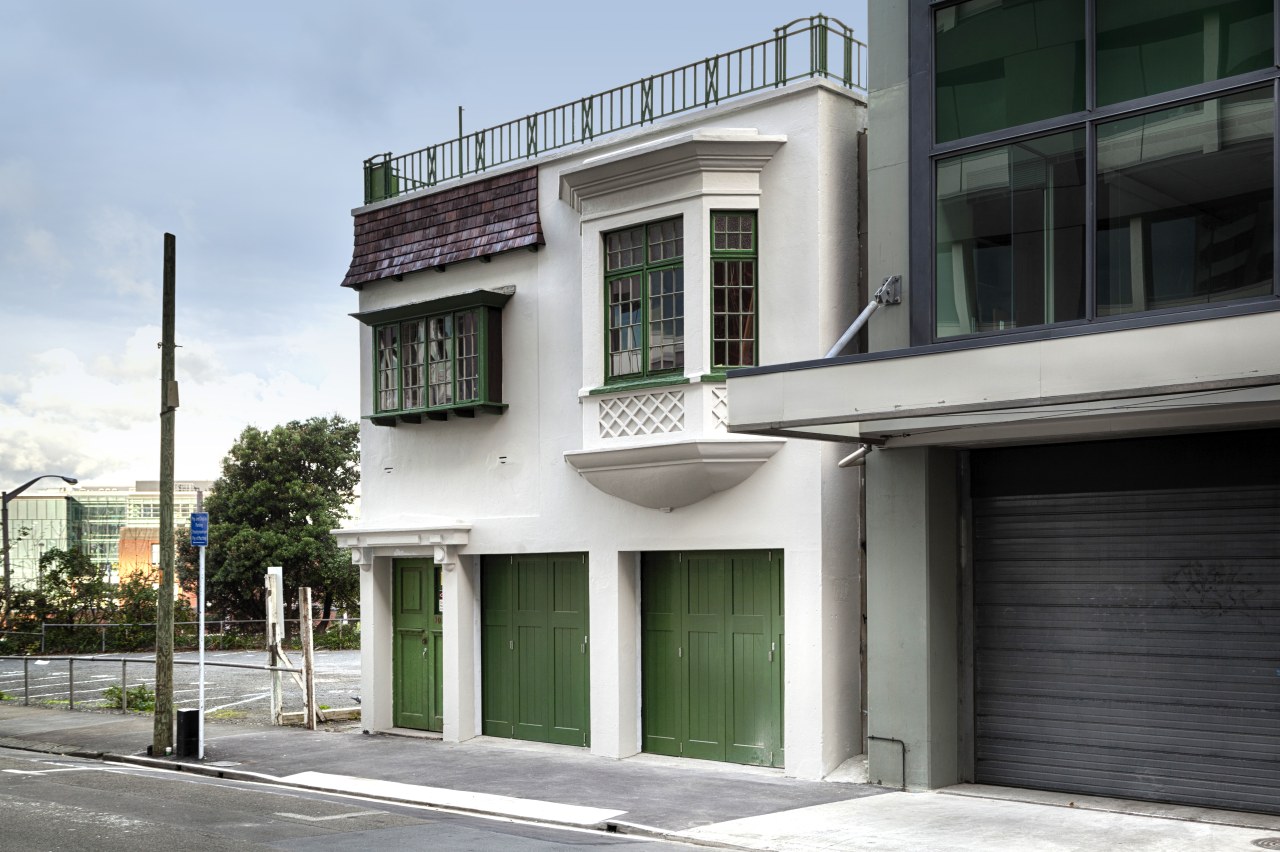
point(54, 804)
point(230, 694)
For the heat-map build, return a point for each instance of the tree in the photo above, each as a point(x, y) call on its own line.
point(73, 589)
point(279, 494)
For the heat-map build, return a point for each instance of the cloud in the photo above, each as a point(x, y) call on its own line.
point(19, 190)
point(98, 420)
point(41, 257)
point(126, 248)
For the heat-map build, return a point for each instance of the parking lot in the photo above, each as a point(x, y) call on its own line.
point(231, 694)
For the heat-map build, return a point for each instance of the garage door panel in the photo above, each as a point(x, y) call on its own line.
point(1188, 548)
point(711, 624)
point(705, 688)
point(1200, 732)
point(534, 655)
point(1245, 621)
point(1036, 686)
point(1214, 595)
point(1102, 773)
point(1243, 724)
point(1091, 766)
point(1128, 643)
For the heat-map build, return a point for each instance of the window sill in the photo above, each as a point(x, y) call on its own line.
point(638, 384)
point(466, 410)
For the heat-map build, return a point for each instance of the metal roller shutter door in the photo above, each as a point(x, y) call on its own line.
point(1127, 643)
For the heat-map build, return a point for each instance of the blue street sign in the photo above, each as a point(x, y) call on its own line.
point(199, 529)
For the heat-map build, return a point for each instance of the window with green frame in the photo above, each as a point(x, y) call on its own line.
point(644, 290)
point(437, 358)
point(733, 289)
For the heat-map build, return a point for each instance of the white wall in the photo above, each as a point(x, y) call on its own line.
point(506, 476)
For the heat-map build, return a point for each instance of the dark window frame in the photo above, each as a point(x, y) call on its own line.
point(486, 307)
point(924, 155)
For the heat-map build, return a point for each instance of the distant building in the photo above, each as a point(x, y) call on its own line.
point(117, 526)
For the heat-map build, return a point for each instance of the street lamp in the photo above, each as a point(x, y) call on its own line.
point(5, 497)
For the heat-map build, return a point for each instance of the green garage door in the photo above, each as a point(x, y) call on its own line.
point(417, 653)
point(534, 648)
point(712, 655)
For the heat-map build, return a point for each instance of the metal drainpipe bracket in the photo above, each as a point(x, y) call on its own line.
point(890, 292)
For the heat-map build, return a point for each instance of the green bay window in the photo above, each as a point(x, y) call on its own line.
point(1094, 159)
point(437, 358)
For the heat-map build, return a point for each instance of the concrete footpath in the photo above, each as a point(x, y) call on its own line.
point(702, 803)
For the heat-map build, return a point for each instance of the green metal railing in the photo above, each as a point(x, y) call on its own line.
point(801, 50)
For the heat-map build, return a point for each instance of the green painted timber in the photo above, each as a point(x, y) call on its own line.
point(711, 657)
point(418, 646)
point(534, 654)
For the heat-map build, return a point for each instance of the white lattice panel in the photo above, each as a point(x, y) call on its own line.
point(720, 409)
point(642, 414)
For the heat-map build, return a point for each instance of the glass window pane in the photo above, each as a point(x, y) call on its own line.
point(440, 360)
point(1001, 63)
point(1146, 47)
point(666, 312)
point(1010, 236)
point(388, 368)
point(624, 326)
point(467, 349)
point(624, 248)
point(413, 353)
point(732, 310)
point(666, 240)
point(1185, 205)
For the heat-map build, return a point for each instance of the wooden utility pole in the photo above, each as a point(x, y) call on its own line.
point(162, 729)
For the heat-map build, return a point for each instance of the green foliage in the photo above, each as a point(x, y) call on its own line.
point(72, 589)
point(141, 698)
point(280, 493)
point(338, 638)
point(103, 617)
point(4, 696)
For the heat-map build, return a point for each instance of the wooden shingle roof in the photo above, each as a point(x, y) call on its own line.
point(473, 220)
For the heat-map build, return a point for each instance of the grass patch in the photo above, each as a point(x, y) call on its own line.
point(141, 698)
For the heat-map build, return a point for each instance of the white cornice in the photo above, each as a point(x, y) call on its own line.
point(742, 151)
point(436, 540)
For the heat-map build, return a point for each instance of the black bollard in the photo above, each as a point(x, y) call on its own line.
point(188, 744)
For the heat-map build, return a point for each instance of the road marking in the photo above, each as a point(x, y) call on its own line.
point(49, 771)
point(332, 817)
point(439, 797)
point(236, 703)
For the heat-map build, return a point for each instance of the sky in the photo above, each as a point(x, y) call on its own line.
point(241, 127)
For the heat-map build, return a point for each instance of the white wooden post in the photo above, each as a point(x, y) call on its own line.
point(275, 637)
point(308, 655)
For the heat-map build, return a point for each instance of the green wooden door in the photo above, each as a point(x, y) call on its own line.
point(417, 647)
point(534, 654)
point(711, 655)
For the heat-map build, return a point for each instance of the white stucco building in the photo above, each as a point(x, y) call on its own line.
point(559, 538)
